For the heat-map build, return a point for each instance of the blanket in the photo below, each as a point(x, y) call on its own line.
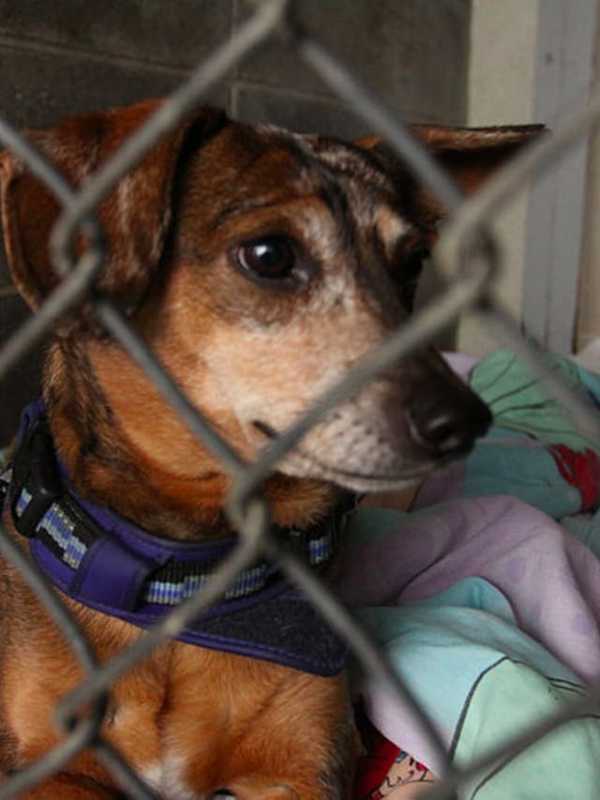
point(490, 612)
point(487, 606)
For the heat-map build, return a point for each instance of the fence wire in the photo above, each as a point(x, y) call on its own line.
point(467, 259)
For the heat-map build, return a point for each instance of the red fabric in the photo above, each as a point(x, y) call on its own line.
point(581, 470)
point(373, 767)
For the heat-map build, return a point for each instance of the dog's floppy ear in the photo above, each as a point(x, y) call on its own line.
point(135, 216)
point(470, 155)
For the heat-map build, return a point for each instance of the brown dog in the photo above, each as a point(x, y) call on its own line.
point(259, 265)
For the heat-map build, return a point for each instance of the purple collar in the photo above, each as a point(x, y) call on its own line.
point(107, 563)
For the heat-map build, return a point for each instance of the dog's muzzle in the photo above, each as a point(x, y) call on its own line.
point(399, 428)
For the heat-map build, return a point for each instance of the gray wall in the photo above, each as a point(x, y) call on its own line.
point(63, 56)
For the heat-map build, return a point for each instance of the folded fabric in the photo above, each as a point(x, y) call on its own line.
point(481, 679)
point(586, 527)
point(522, 402)
point(489, 610)
point(490, 613)
point(507, 463)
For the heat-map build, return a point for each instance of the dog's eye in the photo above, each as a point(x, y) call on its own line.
point(272, 258)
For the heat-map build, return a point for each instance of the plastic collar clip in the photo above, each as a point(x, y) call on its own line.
point(35, 470)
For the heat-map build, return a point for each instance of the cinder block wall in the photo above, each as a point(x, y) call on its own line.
point(67, 56)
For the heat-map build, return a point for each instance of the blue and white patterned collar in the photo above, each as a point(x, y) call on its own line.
point(106, 562)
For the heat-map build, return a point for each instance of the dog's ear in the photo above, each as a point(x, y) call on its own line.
point(135, 216)
point(470, 155)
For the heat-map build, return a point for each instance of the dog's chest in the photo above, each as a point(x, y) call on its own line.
point(223, 724)
point(188, 723)
point(168, 718)
point(153, 748)
point(167, 778)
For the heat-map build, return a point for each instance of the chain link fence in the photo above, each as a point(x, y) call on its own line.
point(467, 258)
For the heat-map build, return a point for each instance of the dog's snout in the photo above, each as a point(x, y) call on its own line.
point(448, 422)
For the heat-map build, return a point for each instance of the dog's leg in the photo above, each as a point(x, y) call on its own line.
point(322, 768)
point(283, 734)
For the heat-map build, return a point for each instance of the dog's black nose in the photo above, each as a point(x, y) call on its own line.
point(447, 423)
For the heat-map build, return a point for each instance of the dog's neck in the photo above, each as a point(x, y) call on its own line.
point(106, 467)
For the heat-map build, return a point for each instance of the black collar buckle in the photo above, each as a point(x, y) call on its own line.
point(35, 470)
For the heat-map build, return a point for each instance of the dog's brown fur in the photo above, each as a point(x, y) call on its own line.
point(248, 355)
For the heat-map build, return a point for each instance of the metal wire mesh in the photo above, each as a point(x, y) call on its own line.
point(467, 259)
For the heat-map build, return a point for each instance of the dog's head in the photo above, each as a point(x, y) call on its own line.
point(261, 265)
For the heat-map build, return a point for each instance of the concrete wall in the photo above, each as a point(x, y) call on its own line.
point(533, 62)
point(72, 55)
point(502, 91)
point(588, 320)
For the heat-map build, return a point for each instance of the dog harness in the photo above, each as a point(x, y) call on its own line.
point(107, 563)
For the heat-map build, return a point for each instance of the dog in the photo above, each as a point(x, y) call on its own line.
point(259, 265)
